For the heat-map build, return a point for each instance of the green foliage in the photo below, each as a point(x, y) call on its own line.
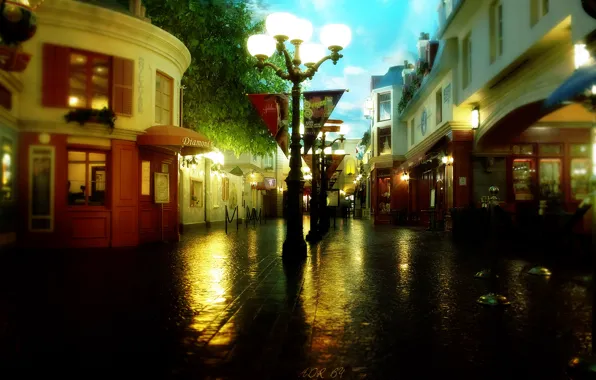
point(87, 115)
point(222, 71)
point(365, 139)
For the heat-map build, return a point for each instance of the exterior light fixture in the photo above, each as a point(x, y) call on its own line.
point(581, 55)
point(405, 177)
point(447, 160)
point(280, 189)
point(475, 118)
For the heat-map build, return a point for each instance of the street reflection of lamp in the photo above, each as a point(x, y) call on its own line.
point(282, 27)
point(475, 118)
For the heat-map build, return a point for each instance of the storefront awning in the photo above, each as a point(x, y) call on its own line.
point(184, 140)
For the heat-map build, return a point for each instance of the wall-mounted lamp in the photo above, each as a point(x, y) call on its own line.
point(581, 55)
point(405, 177)
point(308, 177)
point(447, 160)
point(280, 189)
point(475, 118)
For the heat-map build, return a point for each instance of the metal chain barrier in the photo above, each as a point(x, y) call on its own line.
point(230, 220)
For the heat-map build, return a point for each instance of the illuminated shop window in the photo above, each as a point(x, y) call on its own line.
point(7, 170)
point(523, 179)
point(580, 178)
point(550, 176)
point(86, 178)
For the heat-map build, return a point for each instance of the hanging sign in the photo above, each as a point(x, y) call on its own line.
point(336, 159)
point(273, 109)
point(318, 106)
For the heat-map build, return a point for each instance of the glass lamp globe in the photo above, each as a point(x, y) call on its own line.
point(311, 53)
point(261, 45)
point(280, 25)
point(301, 30)
point(336, 36)
point(344, 129)
point(301, 129)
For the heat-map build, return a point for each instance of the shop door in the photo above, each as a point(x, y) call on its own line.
point(157, 221)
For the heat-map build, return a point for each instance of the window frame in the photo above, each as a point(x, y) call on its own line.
point(379, 102)
point(467, 66)
point(89, 77)
point(87, 162)
point(171, 81)
point(439, 106)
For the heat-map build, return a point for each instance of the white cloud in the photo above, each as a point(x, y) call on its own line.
point(346, 106)
point(354, 70)
point(334, 82)
point(360, 31)
point(319, 5)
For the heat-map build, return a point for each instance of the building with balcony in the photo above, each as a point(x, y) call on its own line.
point(93, 128)
point(497, 61)
point(387, 139)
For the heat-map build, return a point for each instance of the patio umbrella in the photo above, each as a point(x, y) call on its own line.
point(579, 87)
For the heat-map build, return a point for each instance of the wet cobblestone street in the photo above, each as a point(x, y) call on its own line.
point(374, 302)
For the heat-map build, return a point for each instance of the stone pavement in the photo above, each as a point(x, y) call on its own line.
point(370, 302)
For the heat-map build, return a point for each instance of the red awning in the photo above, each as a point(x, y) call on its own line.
point(184, 140)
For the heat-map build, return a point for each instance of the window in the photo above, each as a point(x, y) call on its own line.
point(538, 9)
point(550, 149)
point(86, 178)
point(41, 188)
point(579, 173)
point(412, 133)
point(523, 179)
point(467, 55)
point(550, 177)
point(6, 174)
point(384, 106)
point(525, 149)
point(384, 142)
point(496, 30)
point(196, 193)
point(439, 106)
point(75, 78)
point(580, 178)
point(163, 99)
point(89, 80)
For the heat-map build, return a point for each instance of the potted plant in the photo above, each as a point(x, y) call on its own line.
point(86, 115)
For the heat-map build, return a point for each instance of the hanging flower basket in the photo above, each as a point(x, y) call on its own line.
point(13, 59)
point(85, 115)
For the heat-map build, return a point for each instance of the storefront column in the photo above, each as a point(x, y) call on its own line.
point(462, 145)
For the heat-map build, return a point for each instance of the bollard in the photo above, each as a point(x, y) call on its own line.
point(493, 298)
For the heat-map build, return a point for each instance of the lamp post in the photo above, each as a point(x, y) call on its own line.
point(282, 27)
point(324, 223)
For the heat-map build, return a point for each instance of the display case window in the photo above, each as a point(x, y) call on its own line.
point(580, 178)
point(196, 193)
point(580, 150)
point(523, 149)
point(6, 175)
point(550, 149)
point(550, 176)
point(41, 188)
point(523, 178)
point(86, 178)
point(384, 203)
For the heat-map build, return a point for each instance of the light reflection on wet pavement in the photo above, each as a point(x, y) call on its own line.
point(378, 301)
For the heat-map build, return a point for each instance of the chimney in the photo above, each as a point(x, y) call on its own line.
point(422, 43)
point(431, 53)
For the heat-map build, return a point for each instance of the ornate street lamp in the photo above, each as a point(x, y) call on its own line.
point(282, 27)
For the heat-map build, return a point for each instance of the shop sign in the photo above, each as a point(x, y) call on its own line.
point(187, 141)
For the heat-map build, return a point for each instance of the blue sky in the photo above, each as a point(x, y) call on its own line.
point(384, 34)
